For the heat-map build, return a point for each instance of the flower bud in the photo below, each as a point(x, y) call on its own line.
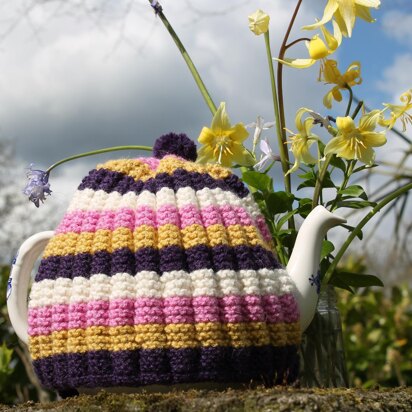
point(259, 22)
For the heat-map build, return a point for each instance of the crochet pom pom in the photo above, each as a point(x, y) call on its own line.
point(177, 144)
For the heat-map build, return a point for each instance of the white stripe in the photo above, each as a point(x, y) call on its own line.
point(202, 282)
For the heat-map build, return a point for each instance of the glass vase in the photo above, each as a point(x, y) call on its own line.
point(322, 353)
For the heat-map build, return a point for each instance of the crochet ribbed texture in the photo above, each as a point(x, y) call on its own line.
point(162, 271)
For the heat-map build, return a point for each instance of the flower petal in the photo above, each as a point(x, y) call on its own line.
point(327, 100)
point(369, 120)
point(262, 163)
point(306, 156)
point(374, 139)
point(317, 48)
point(345, 124)
point(341, 23)
point(297, 63)
point(336, 145)
point(205, 154)
point(307, 125)
point(237, 133)
point(367, 155)
point(206, 136)
point(220, 120)
point(264, 147)
point(348, 13)
point(330, 9)
point(364, 13)
point(369, 3)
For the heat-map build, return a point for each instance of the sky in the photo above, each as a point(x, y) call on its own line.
point(78, 75)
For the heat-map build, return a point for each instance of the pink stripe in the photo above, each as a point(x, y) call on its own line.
point(90, 221)
point(233, 309)
point(152, 162)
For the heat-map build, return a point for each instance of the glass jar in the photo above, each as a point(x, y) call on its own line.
point(322, 353)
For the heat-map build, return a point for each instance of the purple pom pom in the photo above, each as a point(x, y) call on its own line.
point(177, 144)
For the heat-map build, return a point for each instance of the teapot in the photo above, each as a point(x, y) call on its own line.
point(163, 272)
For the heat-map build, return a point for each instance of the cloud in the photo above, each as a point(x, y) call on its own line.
point(115, 76)
point(396, 78)
point(397, 25)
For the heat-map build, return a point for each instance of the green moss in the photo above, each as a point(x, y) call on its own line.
point(277, 399)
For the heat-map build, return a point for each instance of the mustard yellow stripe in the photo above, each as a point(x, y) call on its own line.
point(169, 165)
point(172, 336)
point(140, 171)
point(131, 167)
point(147, 236)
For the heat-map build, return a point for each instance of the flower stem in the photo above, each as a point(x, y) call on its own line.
point(357, 109)
point(282, 147)
point(319, 181)
point(391, 196)
point(95, 152)
point(189, 62)
point(296, 41)
point(281, 56)
point(350, 100)
point(348, 174)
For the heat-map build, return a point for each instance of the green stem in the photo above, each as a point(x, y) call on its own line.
point(348, 174)
point(189, 62)
point(319, 181)
point(282, 147)
point(95, 152)
point(350, 100)
point(361, 224)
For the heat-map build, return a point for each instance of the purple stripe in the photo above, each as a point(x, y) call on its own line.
point(168, 366)
point(163, 260)
point(109, 181)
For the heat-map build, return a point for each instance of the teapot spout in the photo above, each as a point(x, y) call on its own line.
point(304, 262)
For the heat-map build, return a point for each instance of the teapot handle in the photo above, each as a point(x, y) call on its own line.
point(19, 280)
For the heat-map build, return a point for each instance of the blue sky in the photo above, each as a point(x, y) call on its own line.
point(376, 49)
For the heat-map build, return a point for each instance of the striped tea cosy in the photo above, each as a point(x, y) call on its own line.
point(162, 271)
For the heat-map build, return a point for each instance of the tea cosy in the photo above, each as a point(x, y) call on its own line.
point(162, 271)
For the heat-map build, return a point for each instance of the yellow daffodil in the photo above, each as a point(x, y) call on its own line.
point(301, 141)
point(353, 142)
point(344, 12)
point(318, 49)
point(399, 111)
point(223, 143)
point(259, 22)
point(331, 75)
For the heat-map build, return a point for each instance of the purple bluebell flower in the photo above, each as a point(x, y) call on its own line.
point(156, 6)
point(38, 185)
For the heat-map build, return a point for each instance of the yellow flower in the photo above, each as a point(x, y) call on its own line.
point(331, 75)
point(259, 22)
point(353, 142)
point(318, 49)
point(399, 111)
point(222, 143)
point(344, 12)
point(301, 141)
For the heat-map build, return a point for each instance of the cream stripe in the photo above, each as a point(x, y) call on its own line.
point(202, 282)
point(89, 199)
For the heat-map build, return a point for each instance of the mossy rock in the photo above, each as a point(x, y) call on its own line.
point(260, 399)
